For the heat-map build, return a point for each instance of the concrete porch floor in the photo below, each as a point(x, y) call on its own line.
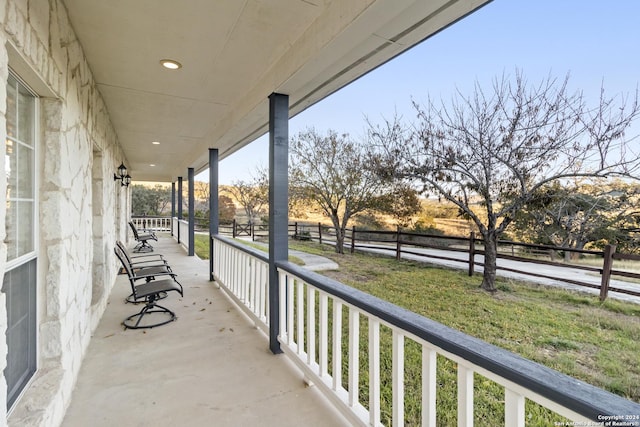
point(211, 367)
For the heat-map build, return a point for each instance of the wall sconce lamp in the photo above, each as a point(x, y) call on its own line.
point(122, 175)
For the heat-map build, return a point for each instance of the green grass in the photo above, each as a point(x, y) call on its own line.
point(573, 333)
point(202, 248)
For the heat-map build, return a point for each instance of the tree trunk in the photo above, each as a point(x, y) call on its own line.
point(339, 241)
point(340, 231)
point(490, 258)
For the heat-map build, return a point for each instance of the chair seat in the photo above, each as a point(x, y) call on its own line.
point(147, 237)
point(155, 287)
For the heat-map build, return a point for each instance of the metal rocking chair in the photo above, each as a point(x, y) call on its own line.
point(147, 265)
point(149, 292)
point(142, 239)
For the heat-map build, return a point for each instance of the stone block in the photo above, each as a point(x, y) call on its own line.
point(50, 339)
point(51, 222)
point(3, 15)
point(39, 17)
point(14, 25)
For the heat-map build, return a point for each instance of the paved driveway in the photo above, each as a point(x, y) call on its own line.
point(560, 274)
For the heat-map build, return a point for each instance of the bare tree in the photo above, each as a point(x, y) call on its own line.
point(202, 195)
point(252, 195)
point(499, 147)
point(332, 171)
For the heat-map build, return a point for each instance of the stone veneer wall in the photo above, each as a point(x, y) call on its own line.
point(81, 211)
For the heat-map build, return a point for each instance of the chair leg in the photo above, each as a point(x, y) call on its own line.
point(133, 321)
point(143, 247)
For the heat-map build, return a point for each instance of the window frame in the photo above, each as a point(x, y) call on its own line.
point(32, 255)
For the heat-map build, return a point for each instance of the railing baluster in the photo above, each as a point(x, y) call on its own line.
point(465, 396)
point(264, 285)
point(354, 348)
point(236, 277)
point(398, 378)
point(255, 288)
point(290, 310)
point(374, 371)
point(513, 409)
point(336, 352)
point(323, 332)
point(255, 274)
point(251, 285)
point(246, 279)
point(242, 283)
point(221, 261)
point(236, 273)
point(429, 361)
point(311, 325)
point(284, 327)
point(266, 309)
point(300, 316)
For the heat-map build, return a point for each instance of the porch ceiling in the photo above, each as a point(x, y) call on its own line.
point(234, 54)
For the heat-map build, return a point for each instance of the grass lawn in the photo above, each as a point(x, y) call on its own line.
point(573, 333)
point(202, 248)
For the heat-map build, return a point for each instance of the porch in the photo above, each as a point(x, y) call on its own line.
point(211, 366)
point(214, 363)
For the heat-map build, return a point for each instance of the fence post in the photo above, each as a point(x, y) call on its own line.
point(353, 239)
point(472, 252)
point(233, 229)
point(320, 233)
point(609, 250)
point(295, 230)
point(398, 244)
point(253, 231)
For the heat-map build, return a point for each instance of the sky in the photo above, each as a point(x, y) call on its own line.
point(596, 42)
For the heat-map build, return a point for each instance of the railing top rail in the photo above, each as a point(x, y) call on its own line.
point(249, 250)
point(576, 395)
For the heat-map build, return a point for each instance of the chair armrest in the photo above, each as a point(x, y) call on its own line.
point(146, 256)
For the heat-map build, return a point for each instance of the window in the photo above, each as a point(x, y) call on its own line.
point(19, 165)
point(20, 279)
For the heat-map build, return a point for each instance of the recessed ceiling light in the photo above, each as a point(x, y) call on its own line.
point(170, 64)
point(152, 165)
point(155, 142)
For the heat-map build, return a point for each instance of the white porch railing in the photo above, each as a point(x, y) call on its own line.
point(321, 321)
point(181, 229)
point(152, 223)
point(174, 225)
point(244, 274)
